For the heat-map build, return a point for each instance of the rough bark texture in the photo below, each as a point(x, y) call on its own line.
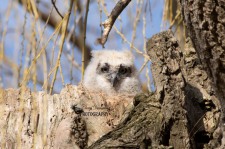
point(167, 58)
point(205, 25)
point(203, 107)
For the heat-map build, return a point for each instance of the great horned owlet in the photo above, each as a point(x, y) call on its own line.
point(106, 98)
point(112, 72)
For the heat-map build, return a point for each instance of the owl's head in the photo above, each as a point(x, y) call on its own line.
point(111, 71)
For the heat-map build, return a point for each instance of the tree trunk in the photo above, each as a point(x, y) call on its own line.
point(205, 25)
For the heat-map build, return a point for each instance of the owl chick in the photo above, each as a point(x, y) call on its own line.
point(112, 72)
point(105, 99)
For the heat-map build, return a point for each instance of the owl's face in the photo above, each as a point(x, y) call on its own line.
point(111, 72)
point(114, 74)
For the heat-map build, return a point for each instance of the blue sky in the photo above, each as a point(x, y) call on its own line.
point(16, 21)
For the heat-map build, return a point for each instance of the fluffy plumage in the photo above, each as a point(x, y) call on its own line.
point(112, 72)
point(110, 83)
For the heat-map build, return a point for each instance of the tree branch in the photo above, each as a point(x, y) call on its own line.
point(76, 40)
point(62, 40)
point(108, 23)
point(84, 39)
point(53, 3)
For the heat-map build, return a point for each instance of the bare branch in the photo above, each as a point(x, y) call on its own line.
point(75, 39)
point(175, 19)
point(108, 23)
point(62, 40)
point(84, 38)
point(53, 3)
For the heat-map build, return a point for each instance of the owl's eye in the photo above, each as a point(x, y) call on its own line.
point(123, 70)
point(105, 69)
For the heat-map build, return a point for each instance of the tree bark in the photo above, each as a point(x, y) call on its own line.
point(205, 25)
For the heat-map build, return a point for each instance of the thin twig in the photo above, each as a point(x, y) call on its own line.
point(45, 69)
point(72, 60)
point(137, 19)
point(29, 55)
point(174, 20)
point(75, 38)
point(53, 3)
point(34, 8)
point(2, 45)
point(132, 46)
point(22, 49)
point(71, 67)
point(143, 66)
point(165, 14)
point(84, 47)
point(49, 75)
point(108, 23)
point(178, 26)
point(44, 28)
point(61, 74)
point(40, 53)
point(64, 30)
point(126, 40)
point(145, 48)
point(196, 124)
point(73, 30)
point(100, 15)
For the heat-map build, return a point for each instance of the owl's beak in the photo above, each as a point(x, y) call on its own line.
point(114, 79)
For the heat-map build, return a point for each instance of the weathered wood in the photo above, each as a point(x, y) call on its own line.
point(203, 107)
point(39, 120)
point(29, 120)
point(167, 58)
point(205, 25)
